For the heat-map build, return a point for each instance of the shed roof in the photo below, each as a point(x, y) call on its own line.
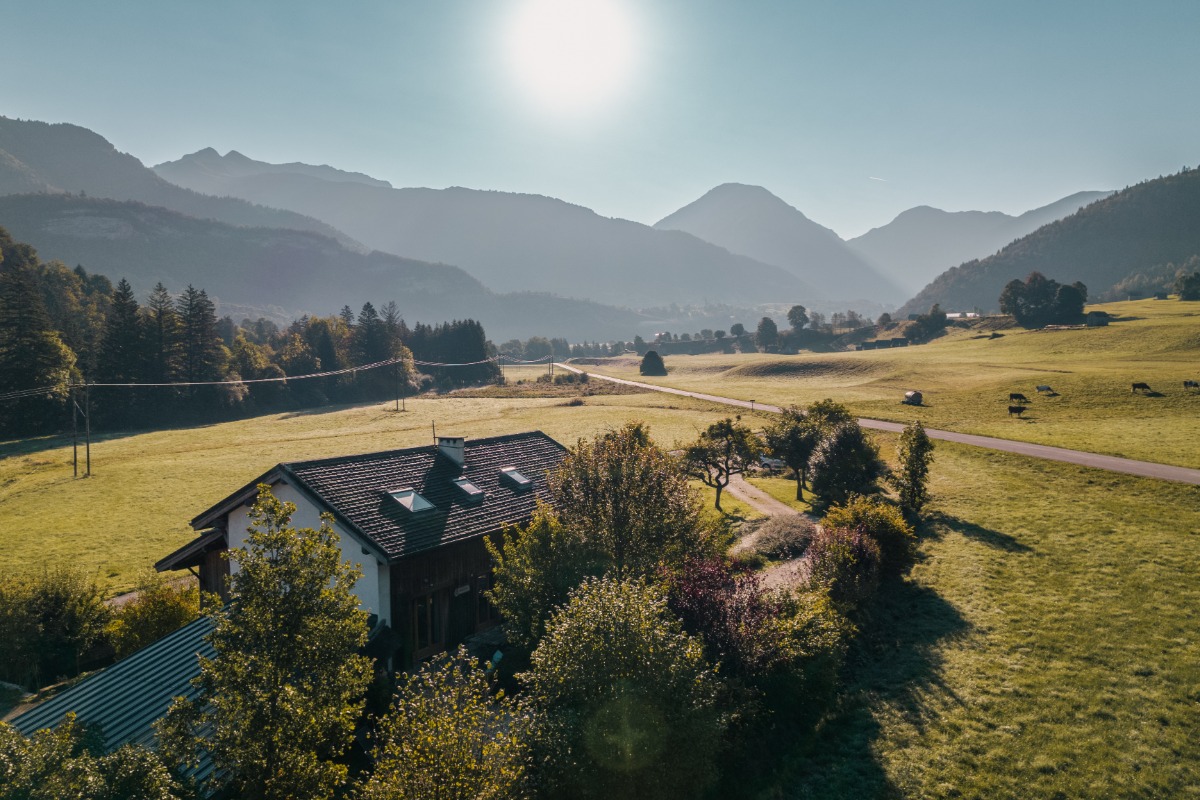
point(125, 700)
point(355, 490)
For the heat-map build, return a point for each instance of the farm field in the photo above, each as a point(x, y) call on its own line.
point(966, 378)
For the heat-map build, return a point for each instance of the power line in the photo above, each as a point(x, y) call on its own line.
point(22, 393)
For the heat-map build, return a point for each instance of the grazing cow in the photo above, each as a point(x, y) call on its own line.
point(1145, 387)
point(1018, 410)
point(1191, 385)
point(1017, 397)
point(1044, 388)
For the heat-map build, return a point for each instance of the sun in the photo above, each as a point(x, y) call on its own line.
point(571, 56)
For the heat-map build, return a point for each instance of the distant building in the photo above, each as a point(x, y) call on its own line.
point(1097, 319)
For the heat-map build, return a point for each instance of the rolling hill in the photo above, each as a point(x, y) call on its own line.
point(44, 157)
point(291, 271)
point(511, 242)
point(1136, 230)
point(922, 242)
point(751, 221)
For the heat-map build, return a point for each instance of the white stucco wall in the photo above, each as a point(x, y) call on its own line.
point(373, 589)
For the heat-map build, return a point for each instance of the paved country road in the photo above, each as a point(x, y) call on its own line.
point(1144, 469)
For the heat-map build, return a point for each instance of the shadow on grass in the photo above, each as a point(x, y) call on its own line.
point(893, 664)
point(997, 540)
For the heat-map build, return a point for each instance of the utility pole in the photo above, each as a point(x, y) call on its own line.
point(87, 425)
point(74, 434)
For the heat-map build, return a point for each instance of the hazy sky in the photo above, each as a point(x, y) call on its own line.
point(850, 111)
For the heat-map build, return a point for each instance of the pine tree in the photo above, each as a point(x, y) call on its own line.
point(122, 351)
point(32, 355)
point(202, 352)
point(163, 332)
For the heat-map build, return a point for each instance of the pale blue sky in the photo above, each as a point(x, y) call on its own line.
point(955, 104)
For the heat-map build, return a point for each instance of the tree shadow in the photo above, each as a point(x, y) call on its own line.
point(894, 663)
point(997, 540)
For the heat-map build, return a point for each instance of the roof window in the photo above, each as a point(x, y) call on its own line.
point(512, 477)
point(468, 488)
point(411, 501)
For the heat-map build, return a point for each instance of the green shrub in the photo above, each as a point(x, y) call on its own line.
point(159, 607)
point(845, 563)
point(48, 622)
point(784, 537)
point(883, 523)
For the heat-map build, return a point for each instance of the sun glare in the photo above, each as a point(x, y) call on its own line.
point(571, 56)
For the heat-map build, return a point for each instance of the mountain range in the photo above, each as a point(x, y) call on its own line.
point(511, 242)
point(43, 157)
point(922, 243)
point(273, 270)
point(1137, 230)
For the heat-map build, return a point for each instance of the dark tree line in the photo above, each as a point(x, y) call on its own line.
point(1039, 301)
point(60, 327)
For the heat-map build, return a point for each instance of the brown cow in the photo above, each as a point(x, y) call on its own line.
point(1018, 410)
point(1143, 386)
point(1017, 397)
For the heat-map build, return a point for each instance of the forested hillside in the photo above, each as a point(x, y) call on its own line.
point(1141, 229)
point(61, 327)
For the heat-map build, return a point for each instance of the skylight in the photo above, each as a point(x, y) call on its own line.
point(468, 488)
point(409, 498)
point(514, 478)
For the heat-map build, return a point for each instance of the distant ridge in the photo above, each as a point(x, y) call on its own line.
point(512, 242)
point(753, 222)
point(922, 242)
point(207, 171)
point(1135, 230)
point(291, 271)
point(44, 157)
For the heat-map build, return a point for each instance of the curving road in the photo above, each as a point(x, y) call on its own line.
point(1144, 469)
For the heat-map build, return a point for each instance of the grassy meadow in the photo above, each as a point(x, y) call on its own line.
point(966, 378)
point(1044, 644)
point(145, 487)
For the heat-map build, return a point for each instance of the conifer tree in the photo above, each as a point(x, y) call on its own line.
point(32, 355)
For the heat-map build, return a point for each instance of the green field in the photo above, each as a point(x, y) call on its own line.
point(1044, 646)
point(966, 378)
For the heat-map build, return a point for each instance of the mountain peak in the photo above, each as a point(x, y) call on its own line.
point(751, 221)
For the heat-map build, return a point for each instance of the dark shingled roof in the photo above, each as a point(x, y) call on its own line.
point(354, 489)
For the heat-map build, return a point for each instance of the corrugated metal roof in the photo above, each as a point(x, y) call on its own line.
point(125, 700)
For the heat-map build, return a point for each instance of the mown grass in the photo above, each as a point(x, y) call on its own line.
point(782, 489)
point(966, 381)
point(145, 487)
point(1044, 646)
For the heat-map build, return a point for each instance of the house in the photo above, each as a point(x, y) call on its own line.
point(413, 519)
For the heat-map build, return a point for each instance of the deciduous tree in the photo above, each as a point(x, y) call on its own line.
point(279, 703)
point(630, 502)
point(627, 704)
point(726, 448)
point(449, 736)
